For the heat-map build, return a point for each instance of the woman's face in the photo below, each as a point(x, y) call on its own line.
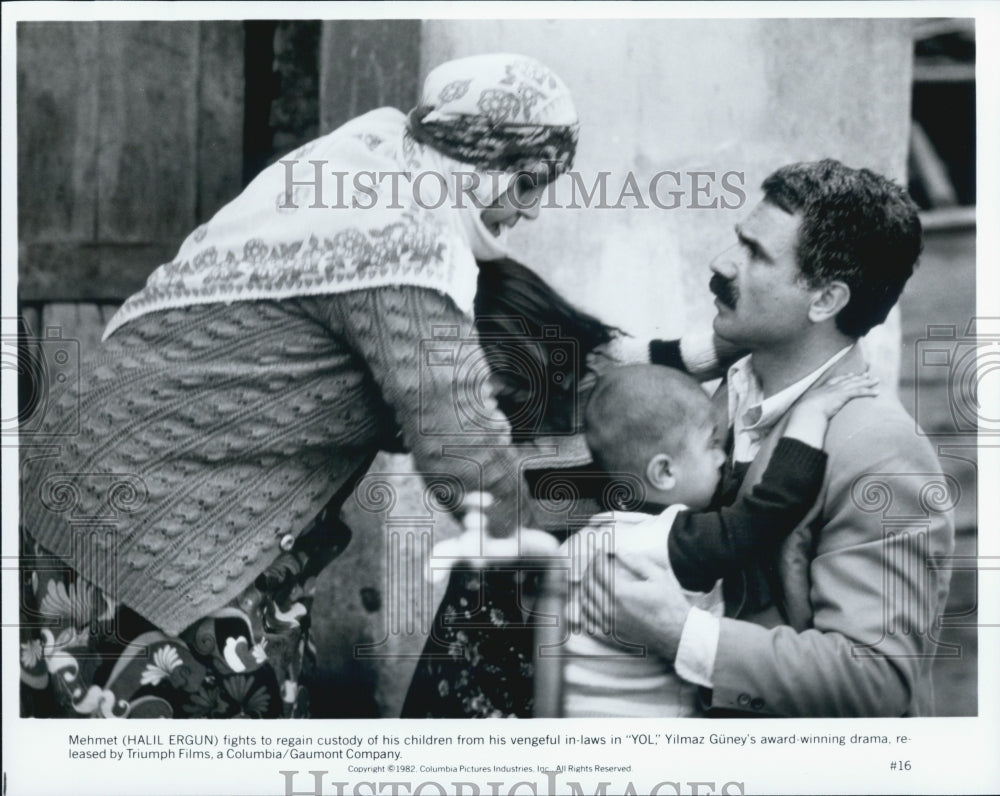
point(521, 200)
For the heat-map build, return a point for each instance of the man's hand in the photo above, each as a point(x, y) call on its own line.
point(641, 600)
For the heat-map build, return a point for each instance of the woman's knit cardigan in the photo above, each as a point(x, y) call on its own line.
point(201, 438)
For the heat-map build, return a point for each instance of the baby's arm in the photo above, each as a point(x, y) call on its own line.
point(708, 545)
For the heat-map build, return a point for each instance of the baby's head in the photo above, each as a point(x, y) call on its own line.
point(656, 424)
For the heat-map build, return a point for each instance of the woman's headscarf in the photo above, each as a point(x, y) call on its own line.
point(385, 199)
point(505, 113)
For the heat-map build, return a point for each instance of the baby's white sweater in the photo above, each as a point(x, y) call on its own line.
point(604, 676)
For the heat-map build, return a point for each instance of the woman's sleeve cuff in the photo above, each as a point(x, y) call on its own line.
point(666, 352)
point(697, 351)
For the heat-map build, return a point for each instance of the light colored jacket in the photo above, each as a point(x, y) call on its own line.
point(852, 629)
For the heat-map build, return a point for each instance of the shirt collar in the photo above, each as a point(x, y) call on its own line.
point(749, 410)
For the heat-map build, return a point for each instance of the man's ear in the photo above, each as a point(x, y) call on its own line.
point(828, 300)
point(660, 472)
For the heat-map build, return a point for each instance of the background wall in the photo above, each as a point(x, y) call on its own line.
point(696, 95)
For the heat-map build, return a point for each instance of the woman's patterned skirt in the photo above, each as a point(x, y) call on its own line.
point(84, 655)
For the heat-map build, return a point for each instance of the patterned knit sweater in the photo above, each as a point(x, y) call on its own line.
point(201, 438)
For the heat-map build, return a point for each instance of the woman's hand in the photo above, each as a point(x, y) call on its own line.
point(726, 351)
point(641, 601)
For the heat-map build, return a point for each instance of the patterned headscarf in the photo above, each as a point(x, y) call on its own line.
point(285, 237)
point(498, 112)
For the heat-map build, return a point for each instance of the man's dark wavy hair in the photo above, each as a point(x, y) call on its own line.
point(857, 227)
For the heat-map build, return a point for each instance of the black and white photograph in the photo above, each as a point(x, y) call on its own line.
point(601, 365)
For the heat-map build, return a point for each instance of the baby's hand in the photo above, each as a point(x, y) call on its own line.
point(809, 419)
point(830, 397)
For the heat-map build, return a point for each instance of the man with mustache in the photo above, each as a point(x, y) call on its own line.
point(840, 623)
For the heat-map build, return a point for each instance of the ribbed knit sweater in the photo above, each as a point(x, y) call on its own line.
point(201, 437)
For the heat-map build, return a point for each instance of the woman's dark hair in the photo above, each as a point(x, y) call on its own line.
point(536, 344)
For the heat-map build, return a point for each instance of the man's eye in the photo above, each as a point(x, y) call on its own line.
point(749, 245)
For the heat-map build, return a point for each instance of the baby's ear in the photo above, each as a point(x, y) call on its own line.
point(660, 472)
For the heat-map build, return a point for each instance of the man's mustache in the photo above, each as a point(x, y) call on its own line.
point(724, 290)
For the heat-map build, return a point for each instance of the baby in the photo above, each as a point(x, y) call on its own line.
point(651, 429)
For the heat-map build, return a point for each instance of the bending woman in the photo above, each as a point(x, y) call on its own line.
point(174, 530)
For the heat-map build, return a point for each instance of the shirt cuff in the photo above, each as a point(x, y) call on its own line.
point(698, 647)
point(698, 352)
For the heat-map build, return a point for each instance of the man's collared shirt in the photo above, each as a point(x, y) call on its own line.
point(751, 417)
